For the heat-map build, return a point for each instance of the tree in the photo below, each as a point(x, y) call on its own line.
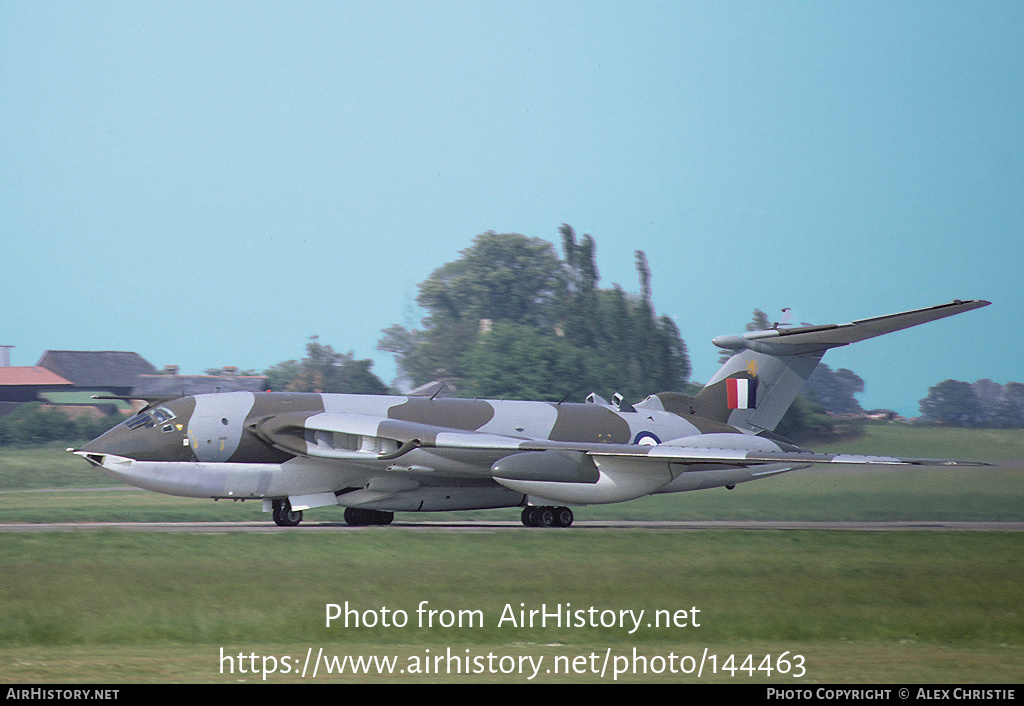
point(511, 279)
point(951, 402)
point(1010, 412)
point(645, 344)
point(34, 423)
point(990, 397)
point(325, 370)
point(759, 322)
point(674, 355)
point(982, 404)
point(512, 361)
point(579, 313)
point(835, 390)
point(505, 276)
point(500, 277)
point(806, 420)
point(641, 353)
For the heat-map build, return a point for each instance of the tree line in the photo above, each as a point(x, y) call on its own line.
point(984, 404)
point(35, 423)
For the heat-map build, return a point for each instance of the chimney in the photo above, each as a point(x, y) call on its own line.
point(171, 369)
point(5, 356)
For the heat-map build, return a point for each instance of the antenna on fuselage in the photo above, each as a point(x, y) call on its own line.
point(566, 396)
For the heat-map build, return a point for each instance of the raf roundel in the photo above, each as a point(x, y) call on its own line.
point(646, 438)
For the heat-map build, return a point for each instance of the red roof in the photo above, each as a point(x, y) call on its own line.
point(30, 375)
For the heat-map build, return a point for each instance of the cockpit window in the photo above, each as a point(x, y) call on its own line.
point(162, 414)
point(142, 419)
point(150, 418)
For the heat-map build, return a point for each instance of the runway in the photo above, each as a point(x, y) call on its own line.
point(511, 526)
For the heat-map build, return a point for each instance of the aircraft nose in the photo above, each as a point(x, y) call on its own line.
point(116, 441)
point(151, 435)
point(112, 452)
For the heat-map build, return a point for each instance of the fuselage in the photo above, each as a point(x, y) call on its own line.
point(215, 446)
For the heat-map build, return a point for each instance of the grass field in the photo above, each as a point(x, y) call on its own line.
point(122, 607)
point(857, 606)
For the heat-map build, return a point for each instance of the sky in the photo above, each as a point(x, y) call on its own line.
point(211, 184)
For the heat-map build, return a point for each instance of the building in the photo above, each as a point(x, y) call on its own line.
point(170, 384)
point(71, 379)
point(22, 384)
point(111, 372)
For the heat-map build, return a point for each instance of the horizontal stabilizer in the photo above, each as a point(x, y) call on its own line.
point(756, 386)
point(808, 339)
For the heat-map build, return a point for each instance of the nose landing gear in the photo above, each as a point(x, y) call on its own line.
point(284, 516)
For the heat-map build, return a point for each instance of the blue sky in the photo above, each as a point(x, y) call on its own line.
point(210, 184)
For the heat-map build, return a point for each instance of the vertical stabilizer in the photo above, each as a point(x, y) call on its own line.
point(772, 383)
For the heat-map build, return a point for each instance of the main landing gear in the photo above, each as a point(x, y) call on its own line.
point(544, 516)
point(284, 516)
point(358, 517)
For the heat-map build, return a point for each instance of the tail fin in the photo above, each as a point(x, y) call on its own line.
point(759, 382)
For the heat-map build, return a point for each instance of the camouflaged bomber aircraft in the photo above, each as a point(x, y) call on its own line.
point(377, 455)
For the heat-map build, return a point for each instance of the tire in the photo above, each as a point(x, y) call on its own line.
point(288, 517)
point(359, 517)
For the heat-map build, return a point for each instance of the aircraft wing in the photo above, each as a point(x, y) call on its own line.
point(353, 436)
point(696, 455)
point(558, 471)
point(746, 449)
point(360, 437)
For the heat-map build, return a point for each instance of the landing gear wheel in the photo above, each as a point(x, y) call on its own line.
point(284, 516)
point(359, 517)
point(543, 516)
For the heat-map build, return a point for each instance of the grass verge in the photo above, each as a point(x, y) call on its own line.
point(850, 602)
